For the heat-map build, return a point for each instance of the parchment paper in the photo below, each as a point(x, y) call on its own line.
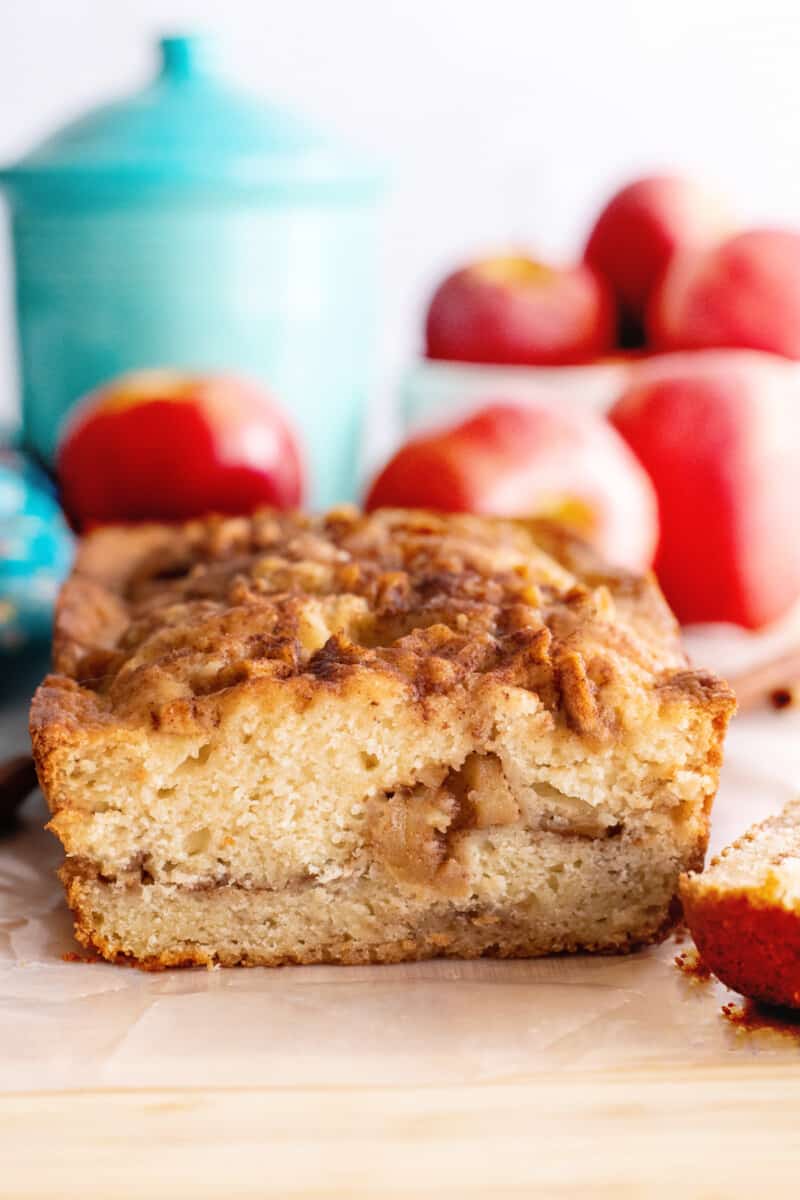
point(71, 1025)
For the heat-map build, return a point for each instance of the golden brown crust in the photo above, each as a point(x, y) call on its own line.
point(752, 946)
point(157, 624)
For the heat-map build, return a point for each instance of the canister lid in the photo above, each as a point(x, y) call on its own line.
point(189, 131)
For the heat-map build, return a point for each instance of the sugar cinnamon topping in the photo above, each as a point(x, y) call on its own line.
point(156, 622)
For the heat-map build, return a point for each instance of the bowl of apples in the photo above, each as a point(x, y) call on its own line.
point(659, 386)
point(514, 324)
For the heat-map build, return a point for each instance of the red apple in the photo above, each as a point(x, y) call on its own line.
point(744, 292)
point(515, 311)
point(168, 445)
point(531, 460)
point(642, 228)
point(723, 450)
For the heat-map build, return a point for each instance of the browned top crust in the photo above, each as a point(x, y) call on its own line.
point(156, 620)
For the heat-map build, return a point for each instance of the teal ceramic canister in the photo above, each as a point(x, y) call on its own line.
point(192, 226)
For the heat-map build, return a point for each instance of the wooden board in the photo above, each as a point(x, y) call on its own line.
point(725, 1133)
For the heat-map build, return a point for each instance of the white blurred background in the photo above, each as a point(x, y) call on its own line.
point(501, 120)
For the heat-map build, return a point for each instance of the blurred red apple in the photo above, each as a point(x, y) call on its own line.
point(723, 450)
point(641, 229)
point(531, 460)
point(512, 310)
point(744, 292)
point(165, 445)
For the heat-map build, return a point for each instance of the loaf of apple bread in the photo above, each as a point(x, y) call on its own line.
point(367, 739)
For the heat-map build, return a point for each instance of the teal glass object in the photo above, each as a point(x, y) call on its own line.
point(192, 226)
point(35, 553)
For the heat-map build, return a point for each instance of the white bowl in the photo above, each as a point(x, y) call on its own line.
point(433, 392)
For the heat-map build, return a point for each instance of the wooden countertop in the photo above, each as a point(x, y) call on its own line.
point(723, 1133)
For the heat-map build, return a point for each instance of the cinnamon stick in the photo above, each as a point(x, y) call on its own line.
point(17, 781)
point(777, 677)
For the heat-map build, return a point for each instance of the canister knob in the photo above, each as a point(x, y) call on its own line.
point(185, 57)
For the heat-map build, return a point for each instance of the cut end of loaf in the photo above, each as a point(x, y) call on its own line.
point(744, 911)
